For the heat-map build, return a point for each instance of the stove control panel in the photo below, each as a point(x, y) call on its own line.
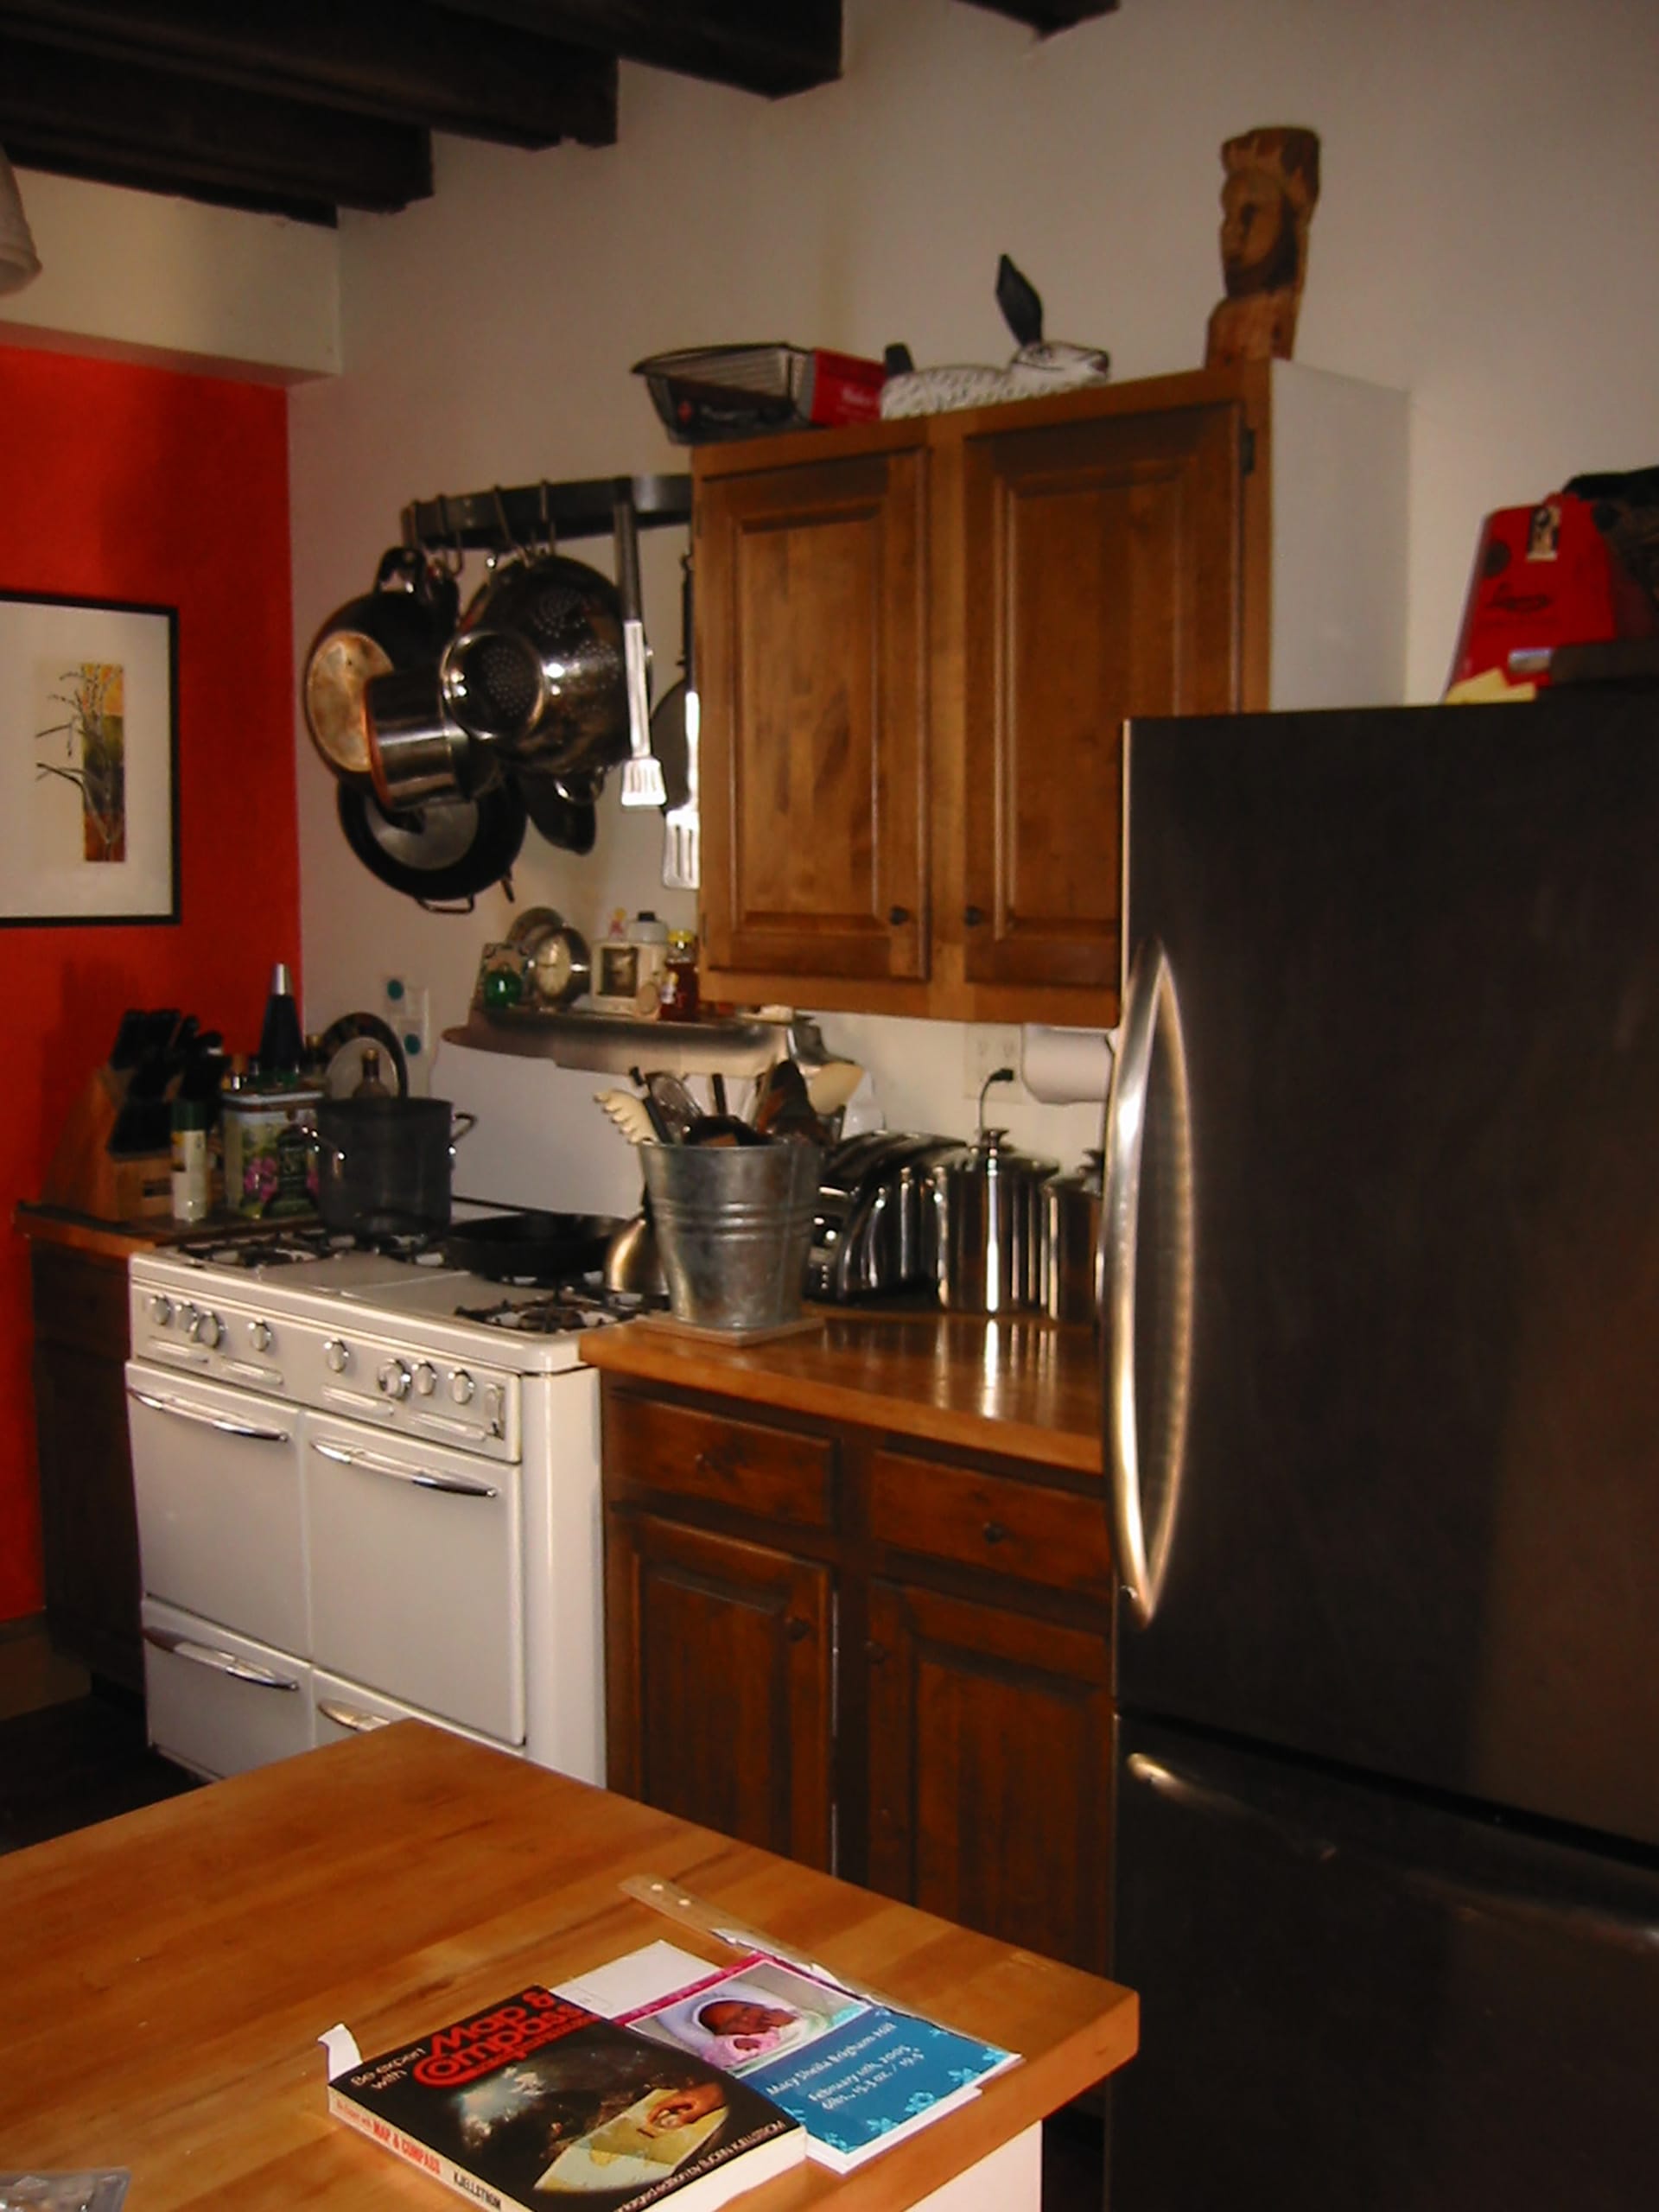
point(345, 1368)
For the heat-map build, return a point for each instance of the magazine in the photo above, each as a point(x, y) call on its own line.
point(536, 2097)
point(859, 2075)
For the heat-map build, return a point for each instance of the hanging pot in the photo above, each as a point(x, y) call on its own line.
point(536, 668)
point(404, 622)
point(446, 851)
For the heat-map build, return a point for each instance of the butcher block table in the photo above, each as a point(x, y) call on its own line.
point(167, 1974)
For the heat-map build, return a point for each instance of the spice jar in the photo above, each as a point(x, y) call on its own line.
point(680, 977)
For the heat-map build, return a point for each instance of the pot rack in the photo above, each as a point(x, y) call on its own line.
point(501, 520)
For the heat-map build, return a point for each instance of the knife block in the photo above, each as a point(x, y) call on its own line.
point(87, 1177)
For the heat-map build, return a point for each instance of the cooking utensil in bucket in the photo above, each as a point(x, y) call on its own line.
point(733, 1227)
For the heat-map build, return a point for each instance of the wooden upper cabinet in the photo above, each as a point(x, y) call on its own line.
point(918, 641)
point(1101, 579)
point(811, 666)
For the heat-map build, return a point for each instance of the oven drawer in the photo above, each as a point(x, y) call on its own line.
point(216, 1474)
point(417, 1574)
point(347, 1709)
point(218, 1703)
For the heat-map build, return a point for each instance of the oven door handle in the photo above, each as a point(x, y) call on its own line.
point(351, 1716)
point(372, 1463)
point(222, 1663)
point(199, 1413)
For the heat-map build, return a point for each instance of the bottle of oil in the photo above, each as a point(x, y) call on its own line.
point(369, 1083)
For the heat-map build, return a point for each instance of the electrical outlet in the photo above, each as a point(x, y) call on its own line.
point(408, 1010)
point(986, 1047)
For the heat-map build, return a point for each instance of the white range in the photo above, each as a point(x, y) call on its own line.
point(368, 1486)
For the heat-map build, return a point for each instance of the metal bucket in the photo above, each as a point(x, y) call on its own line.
point(733, 1227)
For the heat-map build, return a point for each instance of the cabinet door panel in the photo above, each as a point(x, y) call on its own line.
point(811, 632)
point(990, 1747)
point(1102, 579)
point(720, 1654)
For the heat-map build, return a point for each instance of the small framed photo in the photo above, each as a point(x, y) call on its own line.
point(89, 766)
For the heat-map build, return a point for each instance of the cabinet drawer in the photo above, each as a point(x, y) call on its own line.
point(769, 1471)
point(1049, 1536)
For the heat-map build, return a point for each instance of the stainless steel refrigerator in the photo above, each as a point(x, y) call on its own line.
point(1382, 1251)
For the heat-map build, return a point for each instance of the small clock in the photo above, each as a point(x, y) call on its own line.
point(557, 966)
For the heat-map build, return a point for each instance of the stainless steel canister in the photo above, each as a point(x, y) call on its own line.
point(733, 1225)
point(993, 1226)
point(1074, 1259)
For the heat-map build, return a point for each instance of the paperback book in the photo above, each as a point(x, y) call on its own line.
point(536, 2097)
point(859, 2075)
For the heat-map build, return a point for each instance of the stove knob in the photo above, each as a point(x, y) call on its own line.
point(461, 1387)
point(207, 1329)
point(394, 1378)
point(336, 1357)
point(426, 1378)
point(259, 1334)
point(190, 1320)
point(160, 1310)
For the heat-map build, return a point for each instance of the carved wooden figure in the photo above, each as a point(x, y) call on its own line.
point(1270, 188)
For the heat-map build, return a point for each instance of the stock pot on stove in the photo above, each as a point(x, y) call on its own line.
point(384, 1165)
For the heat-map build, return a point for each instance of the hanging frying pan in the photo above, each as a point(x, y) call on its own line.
point(450, 850)
point(561, 808)
point(405, 622)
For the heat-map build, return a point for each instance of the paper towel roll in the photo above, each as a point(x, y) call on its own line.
point(1065, 1067)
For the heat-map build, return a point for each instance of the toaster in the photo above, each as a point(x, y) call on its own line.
point(875, 1225)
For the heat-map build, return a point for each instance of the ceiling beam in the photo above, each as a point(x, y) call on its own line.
point(403, 61)
point(80, 115)
point(774, 47)
point(1049, 15)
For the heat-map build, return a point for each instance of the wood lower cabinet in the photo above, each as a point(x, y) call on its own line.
point(917, 643)
point(89, 1521)
point(723, 1698)
point(892, 1662)
point(989, 1765)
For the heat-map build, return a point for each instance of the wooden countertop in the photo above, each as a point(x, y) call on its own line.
point(167, 1974)
point(118, 1239)
point(1025, 1387)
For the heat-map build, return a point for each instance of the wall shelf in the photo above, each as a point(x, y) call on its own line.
point(611, 1044)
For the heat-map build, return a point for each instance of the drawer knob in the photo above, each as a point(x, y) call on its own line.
point(994, 1532)
point(972, 916)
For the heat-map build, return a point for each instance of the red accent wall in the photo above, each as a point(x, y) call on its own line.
point(127, 483)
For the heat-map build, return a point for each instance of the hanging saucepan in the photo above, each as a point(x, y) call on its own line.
point(405, 622)
point(444, 850)
point(561, 807)
point(537, 669)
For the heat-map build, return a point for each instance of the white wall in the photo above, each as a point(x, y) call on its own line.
point(139, 277)
point(1484, 240)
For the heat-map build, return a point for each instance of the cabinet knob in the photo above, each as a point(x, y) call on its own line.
point(972, 916)
point(795, 1629)
point(875, 1653)
point(898, 916)
point(994, 1532)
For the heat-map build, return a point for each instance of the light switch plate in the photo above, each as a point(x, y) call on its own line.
point(408, 1012)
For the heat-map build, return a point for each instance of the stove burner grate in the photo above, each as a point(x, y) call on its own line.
point(563, 1311)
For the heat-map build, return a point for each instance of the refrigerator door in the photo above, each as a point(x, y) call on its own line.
point(1405, 1428)
point(1353, 1998)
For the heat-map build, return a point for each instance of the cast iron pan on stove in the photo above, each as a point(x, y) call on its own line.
point(533, 1248)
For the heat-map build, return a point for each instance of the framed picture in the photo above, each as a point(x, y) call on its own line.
point(89, 765)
